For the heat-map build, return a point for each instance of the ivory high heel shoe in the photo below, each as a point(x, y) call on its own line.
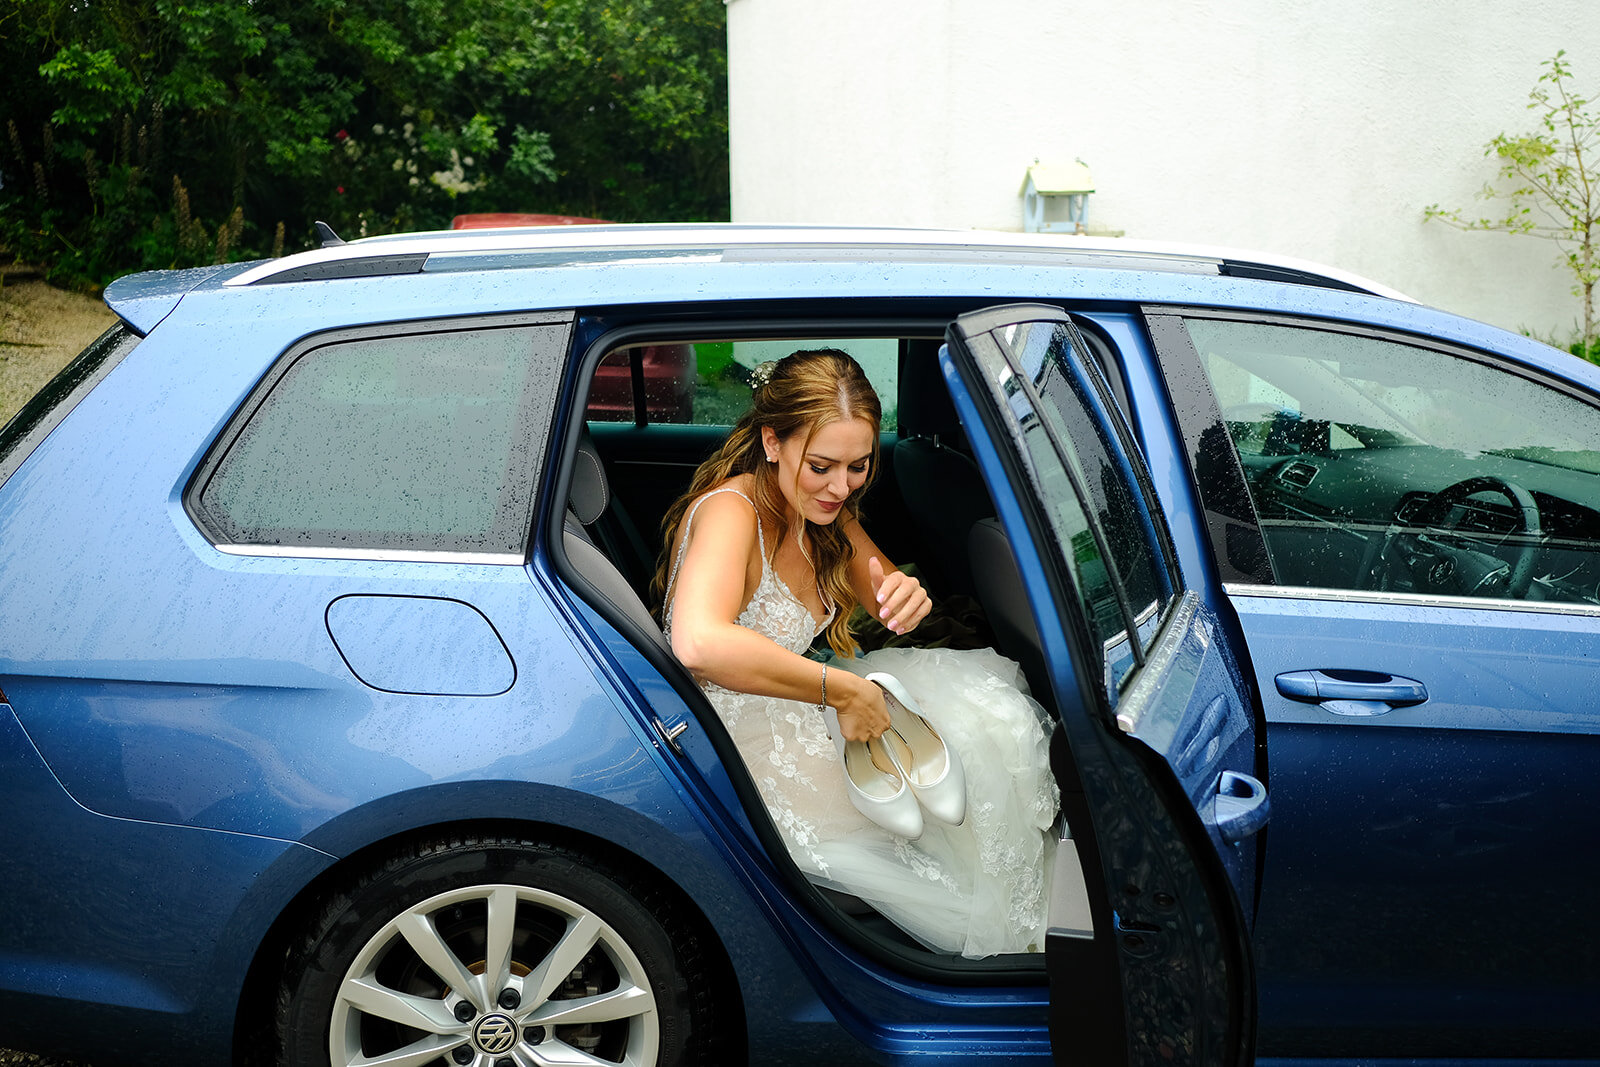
point(931, 768)
point(878, 791)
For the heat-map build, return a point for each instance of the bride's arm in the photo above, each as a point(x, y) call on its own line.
point(896, 599)
point(708, 595)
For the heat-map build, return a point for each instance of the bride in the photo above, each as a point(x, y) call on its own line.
point(764, 554)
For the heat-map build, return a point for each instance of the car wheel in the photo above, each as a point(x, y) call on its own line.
point(487, 952)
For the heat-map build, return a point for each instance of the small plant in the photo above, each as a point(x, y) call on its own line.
point(1589, 350)
point(1554, 178)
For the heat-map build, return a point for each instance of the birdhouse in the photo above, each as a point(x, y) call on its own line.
point(1071, 183)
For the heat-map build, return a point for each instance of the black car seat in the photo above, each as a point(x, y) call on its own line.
point(938, 478)
point(1005, 602)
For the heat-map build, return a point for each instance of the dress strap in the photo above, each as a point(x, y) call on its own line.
point(688, 521)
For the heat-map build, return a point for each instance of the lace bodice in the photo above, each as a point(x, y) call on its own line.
point(773, 611)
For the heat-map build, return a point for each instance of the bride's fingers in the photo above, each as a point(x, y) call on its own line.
point(905, 623)
point(877, 715)
point(916, 612)
point(905, 603)
point(863, 714)
point(893, 592)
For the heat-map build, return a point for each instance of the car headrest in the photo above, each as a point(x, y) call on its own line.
point(925, 409)
point(589, 494)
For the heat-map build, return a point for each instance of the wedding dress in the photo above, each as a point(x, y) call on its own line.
point(977, 889)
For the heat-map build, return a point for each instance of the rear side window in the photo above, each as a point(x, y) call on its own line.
point(418, 443)
point(55, 401)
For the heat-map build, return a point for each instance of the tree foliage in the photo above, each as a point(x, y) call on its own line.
point(1551, 182)
point(161, 133)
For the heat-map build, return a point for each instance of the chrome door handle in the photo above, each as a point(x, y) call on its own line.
point(1345, 691)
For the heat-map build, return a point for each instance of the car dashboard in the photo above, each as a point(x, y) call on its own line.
point(1410, 517)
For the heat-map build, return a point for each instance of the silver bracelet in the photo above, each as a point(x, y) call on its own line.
point(823, 707)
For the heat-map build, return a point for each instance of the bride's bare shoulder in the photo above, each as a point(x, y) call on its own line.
point(719, 506)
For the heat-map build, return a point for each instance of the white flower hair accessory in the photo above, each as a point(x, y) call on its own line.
point(762, 374)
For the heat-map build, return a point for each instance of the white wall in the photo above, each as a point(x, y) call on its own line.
point(1313, 128)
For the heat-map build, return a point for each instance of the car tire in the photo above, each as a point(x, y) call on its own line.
point(400, 960)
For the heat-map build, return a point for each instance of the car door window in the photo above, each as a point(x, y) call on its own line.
point(1122, 578)
point(415, 443)
point(1383, 466)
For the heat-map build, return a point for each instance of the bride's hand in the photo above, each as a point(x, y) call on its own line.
point(863, 714)
point(902, 602)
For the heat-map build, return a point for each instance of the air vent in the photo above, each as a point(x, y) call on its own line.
point(1298, 475)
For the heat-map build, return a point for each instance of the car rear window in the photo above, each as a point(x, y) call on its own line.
point(423, 443)
point(55, 401)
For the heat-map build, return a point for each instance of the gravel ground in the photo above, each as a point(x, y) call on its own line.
point(23, 1059)
point(41, 329)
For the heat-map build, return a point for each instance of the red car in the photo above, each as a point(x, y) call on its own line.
point(487, 220)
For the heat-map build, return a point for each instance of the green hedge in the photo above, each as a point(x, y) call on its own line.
point(161, 134)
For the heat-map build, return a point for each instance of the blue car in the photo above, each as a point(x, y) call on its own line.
point(337, 728)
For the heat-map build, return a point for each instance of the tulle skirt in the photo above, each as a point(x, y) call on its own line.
point(978, 889)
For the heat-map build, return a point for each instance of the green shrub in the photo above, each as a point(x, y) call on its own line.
point(1589, 351)
point(151, 134)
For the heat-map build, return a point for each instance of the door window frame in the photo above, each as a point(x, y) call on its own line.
point(595, 337)
point(1142, 628)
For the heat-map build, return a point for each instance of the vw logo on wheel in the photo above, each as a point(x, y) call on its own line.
point(495, 1034)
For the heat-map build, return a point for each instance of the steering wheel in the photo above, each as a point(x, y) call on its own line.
point(1468, 571)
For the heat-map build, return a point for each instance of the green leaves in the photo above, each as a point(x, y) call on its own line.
point(531, 155)
point(91, 86)
point(375, 116)
point(1550, 182)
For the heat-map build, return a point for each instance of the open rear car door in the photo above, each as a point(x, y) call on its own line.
point(1162, 797)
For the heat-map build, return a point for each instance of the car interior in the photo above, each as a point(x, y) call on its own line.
point(928, 508)
point(1376, 466)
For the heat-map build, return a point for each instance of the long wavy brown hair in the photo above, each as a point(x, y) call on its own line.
point(807, 390)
